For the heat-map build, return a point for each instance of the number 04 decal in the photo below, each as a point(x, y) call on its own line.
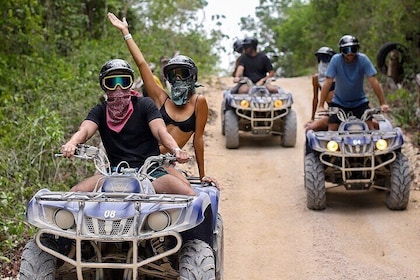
point(110, 213)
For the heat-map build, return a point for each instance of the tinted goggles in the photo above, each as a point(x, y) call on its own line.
point(111, 82)
point(180, 73)
point(349, 49)
point(324, 58)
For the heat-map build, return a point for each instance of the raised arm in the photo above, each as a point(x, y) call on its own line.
point(153, 90)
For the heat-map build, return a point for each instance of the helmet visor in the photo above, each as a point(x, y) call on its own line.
point(111, 82)
point(178, 73)
point(349, 49)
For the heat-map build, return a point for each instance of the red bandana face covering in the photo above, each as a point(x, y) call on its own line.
point(118, 109)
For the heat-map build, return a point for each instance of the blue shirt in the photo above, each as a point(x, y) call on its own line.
point(349, 77)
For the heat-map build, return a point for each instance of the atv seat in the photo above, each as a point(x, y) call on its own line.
point(126, 184)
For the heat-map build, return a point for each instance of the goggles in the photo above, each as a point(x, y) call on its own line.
point(324, 58)
point(111, 82)
point(349, 49)
point(180, 73)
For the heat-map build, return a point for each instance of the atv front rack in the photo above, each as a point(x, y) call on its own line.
point(113, 197)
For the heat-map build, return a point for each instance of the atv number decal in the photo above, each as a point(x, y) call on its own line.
point(110, 214)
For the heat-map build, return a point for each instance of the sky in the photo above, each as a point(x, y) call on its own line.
point(230, 25)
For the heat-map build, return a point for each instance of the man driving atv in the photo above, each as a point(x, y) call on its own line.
point(254, 65)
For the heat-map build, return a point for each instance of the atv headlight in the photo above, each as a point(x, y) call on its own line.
point(278, 103)
point(332, 146)
point(159, 220)
point(381, 144)
point(244, 103)
point(63, 219)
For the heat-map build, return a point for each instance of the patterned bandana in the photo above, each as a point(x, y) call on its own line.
point(118, 109)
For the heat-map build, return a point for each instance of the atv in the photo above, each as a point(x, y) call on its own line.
point(357, 158)
point(258, 112)
point(123, 229)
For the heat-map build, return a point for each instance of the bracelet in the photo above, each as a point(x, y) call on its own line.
point(128, 37)
point(176, 150)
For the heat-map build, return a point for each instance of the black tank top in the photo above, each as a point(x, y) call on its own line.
point(186, 126)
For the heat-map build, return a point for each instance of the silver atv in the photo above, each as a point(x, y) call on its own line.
point(357, 158)
point(258, 112)
point(123, 229)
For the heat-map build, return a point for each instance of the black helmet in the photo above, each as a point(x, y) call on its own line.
point(181, 61)
point(324, 54)
point(348, 41)
point(237, 46)
point(115, 66)
point(250, 41)
point(325, 50)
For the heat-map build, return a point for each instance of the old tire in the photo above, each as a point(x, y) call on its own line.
point(196, 261)
point(316, 197)
point(398, 195)
point(36, 264)
point(289, 130)
point(231, 130)
point(218, 247)
point(383, 53)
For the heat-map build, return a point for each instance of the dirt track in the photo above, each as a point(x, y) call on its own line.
point(269, 232)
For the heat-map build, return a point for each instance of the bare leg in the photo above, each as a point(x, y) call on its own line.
point(333, 126)
point(172, 170)
point(272, 88)
point(170, 184)
point(318, 124)
point(88, 184)
point(243, 89)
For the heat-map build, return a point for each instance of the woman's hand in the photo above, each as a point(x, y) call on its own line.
point(210, 180)
point(121, 25)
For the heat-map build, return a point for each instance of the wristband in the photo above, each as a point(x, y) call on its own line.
point(128, 37)
point(174, 151)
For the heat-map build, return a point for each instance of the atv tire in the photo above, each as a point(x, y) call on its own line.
point(231, 130)
point(196, 261)
point(36, 264)
point(218, 247)
point(222, 119)
point(398, 195)
point(289, 130)
point(316, 197)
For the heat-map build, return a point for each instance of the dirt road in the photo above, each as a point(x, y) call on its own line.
point(269, 232)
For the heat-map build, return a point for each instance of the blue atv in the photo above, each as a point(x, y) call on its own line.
point(123, 229)
point(258, 112)
point(357, 158)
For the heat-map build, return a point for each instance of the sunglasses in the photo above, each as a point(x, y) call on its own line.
point(349, 49)
point(180, 73)
point(111, 82)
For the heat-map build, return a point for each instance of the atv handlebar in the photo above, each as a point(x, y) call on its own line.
point(342, 116)
point(102, 164)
